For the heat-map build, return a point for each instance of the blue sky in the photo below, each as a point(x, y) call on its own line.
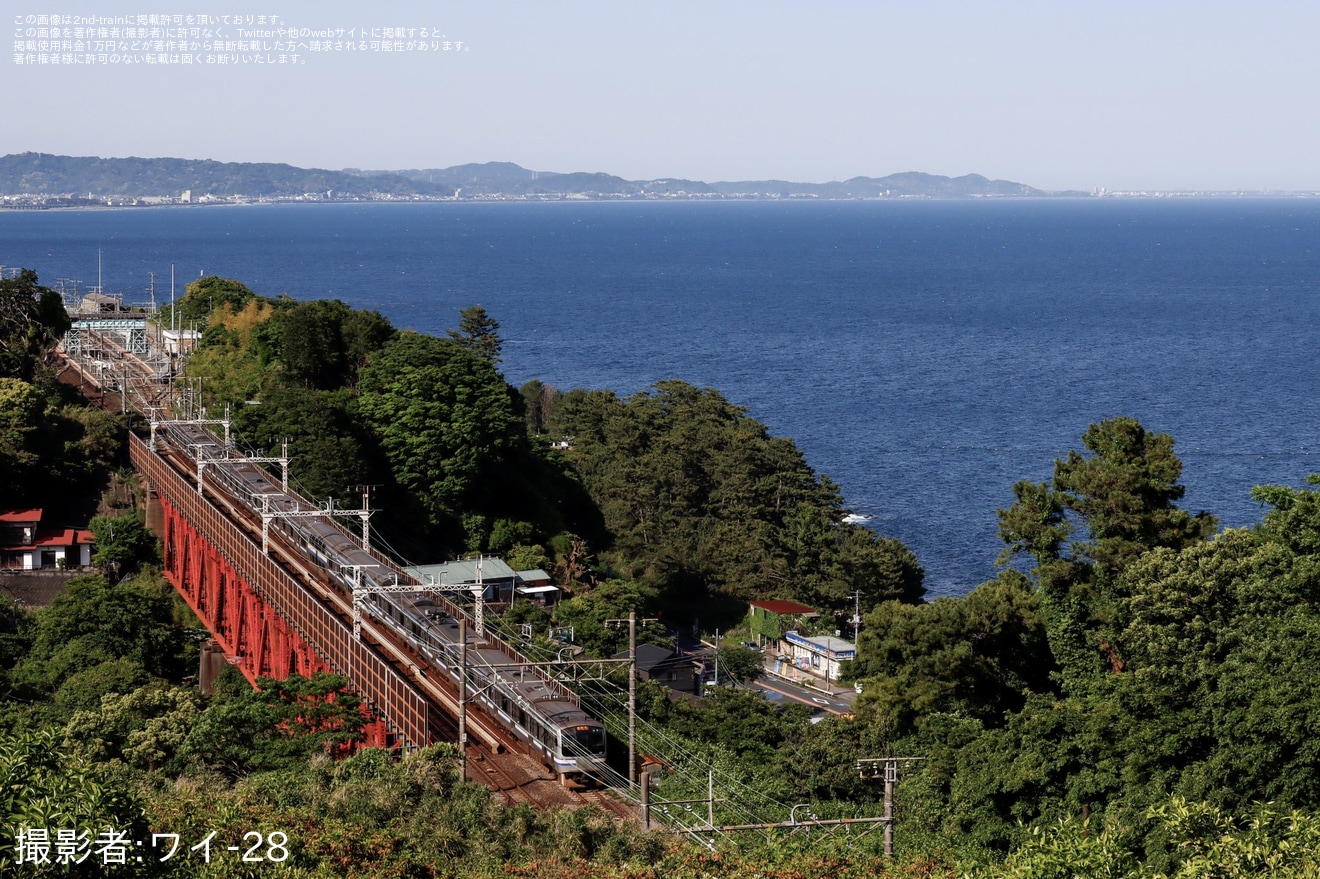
point(1120, 94)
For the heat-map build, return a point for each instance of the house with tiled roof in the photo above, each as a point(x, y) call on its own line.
point(672, 668)
point(27, 544)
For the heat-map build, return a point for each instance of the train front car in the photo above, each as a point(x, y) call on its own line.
point(580, 751)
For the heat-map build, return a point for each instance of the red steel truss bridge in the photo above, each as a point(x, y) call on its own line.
point(284, 588)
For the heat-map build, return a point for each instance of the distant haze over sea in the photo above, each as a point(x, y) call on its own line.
point(925, 354)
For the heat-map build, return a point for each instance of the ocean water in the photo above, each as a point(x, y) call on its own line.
point(924, 355)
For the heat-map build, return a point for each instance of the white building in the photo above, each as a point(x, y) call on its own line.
point(180, 341)
point(820, 656)
point(26, 546)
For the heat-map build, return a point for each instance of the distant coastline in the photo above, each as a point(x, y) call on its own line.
point(41, 181)
point(40, 204)
point(44, 181)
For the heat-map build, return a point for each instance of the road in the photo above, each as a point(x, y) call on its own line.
point(776, 689)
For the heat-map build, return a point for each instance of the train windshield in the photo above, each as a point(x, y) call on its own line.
point(592, 738)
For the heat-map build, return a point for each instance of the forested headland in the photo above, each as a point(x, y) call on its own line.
point(1131, 694)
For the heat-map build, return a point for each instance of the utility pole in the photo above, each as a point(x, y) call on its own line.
point(462, 697)
point(886, 767)
point(632, 698)
point(632, 690)
point(716, 681)
point(364, 513)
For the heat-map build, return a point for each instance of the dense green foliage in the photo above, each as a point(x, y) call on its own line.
point(1117, 701)
point(49, 447)
point(32, 321)
point(446, 422)
point(974, 656)
point(697, 494)
point(429, 422)
point(1144, 661)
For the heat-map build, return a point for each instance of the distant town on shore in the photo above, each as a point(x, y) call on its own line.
point(41, 180)
point(38, 179)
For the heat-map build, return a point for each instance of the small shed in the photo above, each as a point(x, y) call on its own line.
point(536, 587)
point(496, 577)
point(180, 341)
point(100, 303)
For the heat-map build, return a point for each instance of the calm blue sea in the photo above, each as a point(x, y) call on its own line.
point(924, 355)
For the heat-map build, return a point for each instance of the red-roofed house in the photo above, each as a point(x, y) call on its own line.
point(27, 545)
point(778, 606)
point(771, 619)
point(821, 656)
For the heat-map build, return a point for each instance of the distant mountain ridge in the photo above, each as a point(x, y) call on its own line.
point(42, 174)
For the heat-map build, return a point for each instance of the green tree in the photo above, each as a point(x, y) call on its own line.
point(93, 621)
point(364, 333)
point(205, 295)
point(613, 599)
point(741, 721)
point(704, 498)
point(94, 439)
point(44, 785)
point(21, 410)
point(144, 728)
point(324, 344)
point(312, 346)
point(329, 450)
point(739, 663)
point(977, 656)
point(1218, 649)
point(276, 726)
point(83, 690)
point(16, 636)
point(1124, 493)
point(446, 422)
point(859, 560)
point(122, 542)
point(539, 402)
point(478, 332)
point(32, 322)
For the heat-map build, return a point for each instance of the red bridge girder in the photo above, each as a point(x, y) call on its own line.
point(264, 618)
point(253, 636)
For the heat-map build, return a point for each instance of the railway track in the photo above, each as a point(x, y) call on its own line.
point(495, 757)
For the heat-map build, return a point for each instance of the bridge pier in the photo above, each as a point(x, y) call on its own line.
point(155, 512)
point(210, 664)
